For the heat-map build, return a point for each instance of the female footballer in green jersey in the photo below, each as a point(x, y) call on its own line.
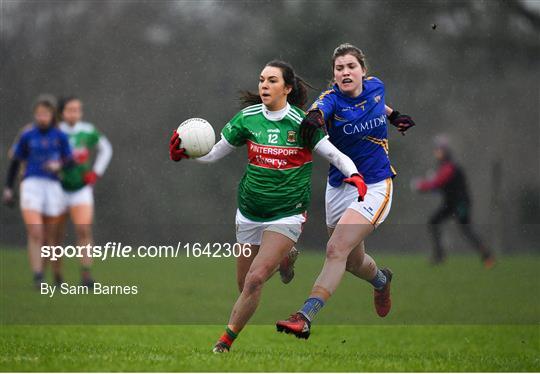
point(274, 192)
point(78, 182)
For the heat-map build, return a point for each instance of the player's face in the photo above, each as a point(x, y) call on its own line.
point(348, 74)
point(272, 88)
point(439, 154)
point(43, 116)
point(72, 112)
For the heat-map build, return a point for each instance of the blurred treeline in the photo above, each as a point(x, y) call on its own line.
point(468, 69)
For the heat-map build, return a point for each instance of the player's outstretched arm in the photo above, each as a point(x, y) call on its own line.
point(218, 151)
point(443, 176)
point(326, 149)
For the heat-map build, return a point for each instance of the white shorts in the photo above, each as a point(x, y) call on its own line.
point(83, 196)
point(375, 207)
point(42, 195)
point(250, 232)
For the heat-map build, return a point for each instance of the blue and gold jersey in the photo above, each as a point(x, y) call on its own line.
point(38, 147)
point(358, 128)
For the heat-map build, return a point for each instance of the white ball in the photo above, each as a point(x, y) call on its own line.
point(198, 137)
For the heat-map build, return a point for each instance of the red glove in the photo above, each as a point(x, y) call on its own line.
point(90, 177)
point(358, 181)
point(175, 152)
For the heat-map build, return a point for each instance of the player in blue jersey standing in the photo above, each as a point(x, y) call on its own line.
point(45, 151)
point(355, 115)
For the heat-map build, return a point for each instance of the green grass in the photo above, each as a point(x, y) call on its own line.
point(331, 348)
point(458, 317)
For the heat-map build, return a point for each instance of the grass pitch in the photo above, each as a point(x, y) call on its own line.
point(458, 317)
point(260, 348)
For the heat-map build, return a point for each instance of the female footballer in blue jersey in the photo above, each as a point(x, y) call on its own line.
point(355, 116)
point(45, 150)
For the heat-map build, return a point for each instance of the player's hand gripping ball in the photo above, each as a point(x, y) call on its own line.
point(175, 152)
point(196, 137)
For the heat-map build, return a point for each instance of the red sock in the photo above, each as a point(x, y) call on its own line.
point(228, 337)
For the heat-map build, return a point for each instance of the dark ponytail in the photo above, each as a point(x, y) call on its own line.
point(249, 98)
point(298, 95)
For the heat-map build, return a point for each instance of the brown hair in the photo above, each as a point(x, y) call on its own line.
point(49, 102)
point(298, 94)
point(349, 49)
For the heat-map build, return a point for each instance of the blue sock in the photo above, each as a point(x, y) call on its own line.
point(379, 281)
point(311, 307)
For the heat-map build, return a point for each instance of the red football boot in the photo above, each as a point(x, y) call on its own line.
point(381, 298)
point(297, 324)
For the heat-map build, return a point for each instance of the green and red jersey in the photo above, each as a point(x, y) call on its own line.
point(83, 138)
point(277, 181)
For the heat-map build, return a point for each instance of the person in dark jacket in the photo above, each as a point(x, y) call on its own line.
point(451, 182)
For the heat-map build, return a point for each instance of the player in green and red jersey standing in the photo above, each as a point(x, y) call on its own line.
point(274, 192)
point(78, 182)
